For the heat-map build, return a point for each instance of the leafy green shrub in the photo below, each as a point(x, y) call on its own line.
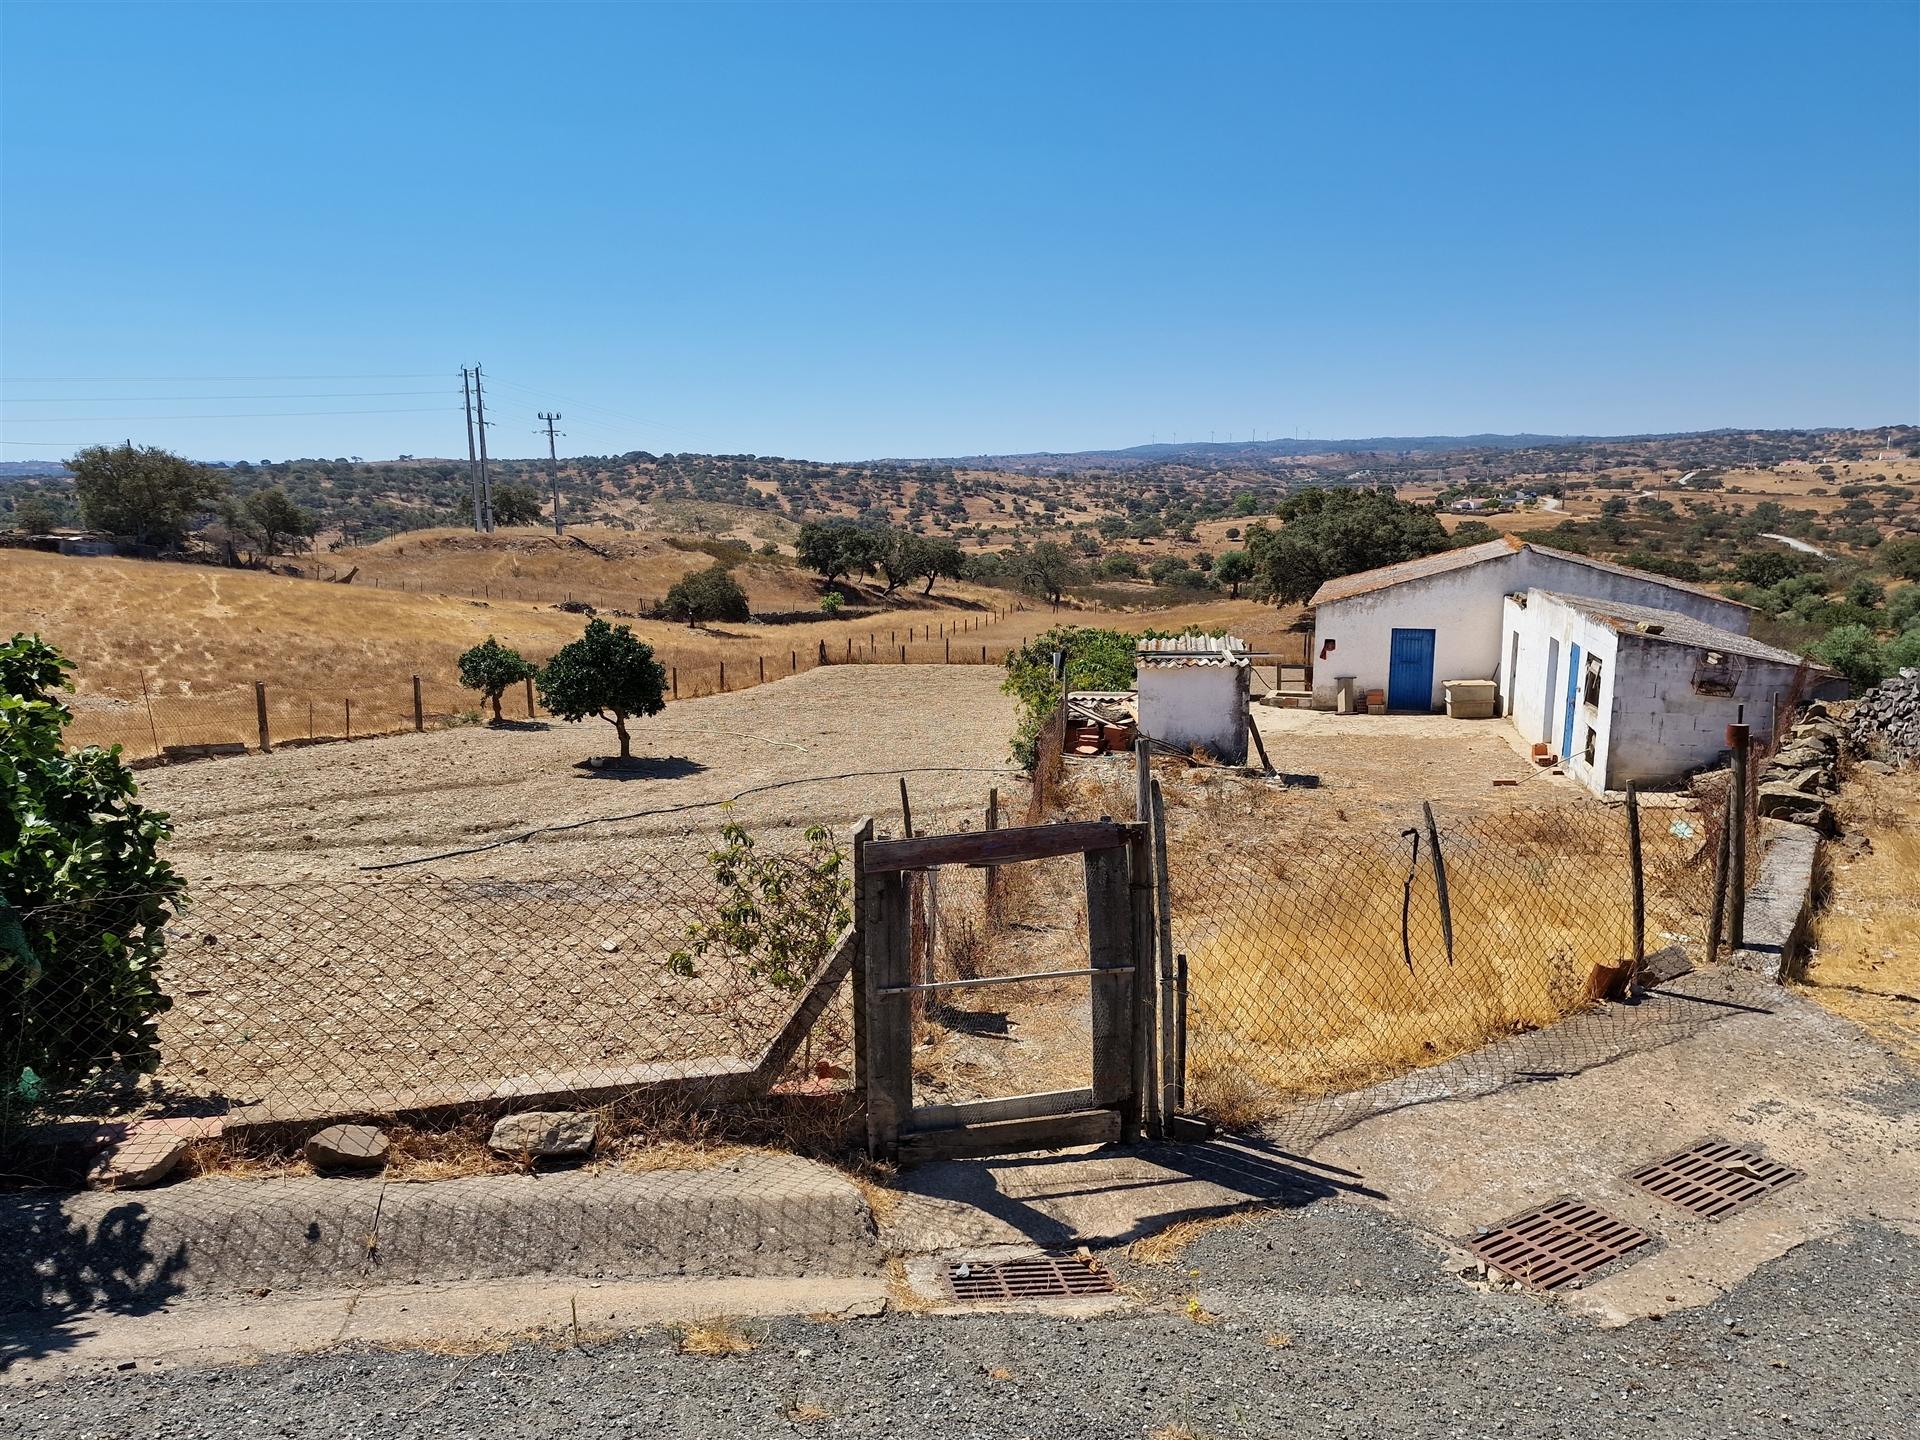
point(84, 894)
point(777, 914)
point(492, 669)
point(1095, 660)
point(1852, 650)
point(831, 602)
point(607, 673)
point(710, 594)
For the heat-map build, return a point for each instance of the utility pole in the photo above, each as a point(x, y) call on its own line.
point(486, 485)
point(473, 462)
point(553, 466)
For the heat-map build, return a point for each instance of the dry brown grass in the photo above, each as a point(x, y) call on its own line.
point(1168, 1245)
point(716, 1337)
point(1864, 961)
point(804, 1412)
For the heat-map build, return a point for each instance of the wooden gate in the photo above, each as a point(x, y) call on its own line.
point(1119, 1103)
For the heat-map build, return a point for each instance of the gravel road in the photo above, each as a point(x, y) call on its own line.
point(1378, 1340)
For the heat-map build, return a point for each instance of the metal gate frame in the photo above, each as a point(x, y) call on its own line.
point(1120, 1103)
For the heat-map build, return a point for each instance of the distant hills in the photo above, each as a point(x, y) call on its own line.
point(1225, 454)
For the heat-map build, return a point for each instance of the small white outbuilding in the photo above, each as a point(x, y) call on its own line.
point(1193, 693)
point(1629, 692)
point(1407, 629)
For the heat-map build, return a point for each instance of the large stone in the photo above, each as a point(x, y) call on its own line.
point(136, 1160)
point(348, 1147)
point(545, 1134)
point(1784, 802)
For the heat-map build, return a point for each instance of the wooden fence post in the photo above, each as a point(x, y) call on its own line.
point(1716, 919)
point(949, 645)
point(260, 716)
point(419, 711)
point(349, 717)
point(793, 662)
point(993, 871)
point(903, 654)
point(823, 652)
point(1172, 986)
point(673, 680)
point(723, 675)
point(152, 724)
point(529, 697)
point(763, 669)
point(1637, 863)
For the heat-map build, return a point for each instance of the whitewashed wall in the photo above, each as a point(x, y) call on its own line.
point(1653, 726)
point(1463, 609)
point(1188, 705)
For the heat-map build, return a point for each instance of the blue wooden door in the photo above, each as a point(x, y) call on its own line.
point(1410, 671)
point(1573, 694)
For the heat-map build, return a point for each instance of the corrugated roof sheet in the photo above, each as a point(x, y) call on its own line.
point(1677, 629)
point(1365, 582)
point(1188, 650)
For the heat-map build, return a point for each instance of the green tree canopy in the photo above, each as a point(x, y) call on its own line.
point(710, 594)
point(147, 494)
point(1044, 568)
point(493, 668)
point(1331, 532)
point(84, 894)
point(36, 515)
point(270, 520)
point(607, 672)
point(1233, 569)
point(836, 548)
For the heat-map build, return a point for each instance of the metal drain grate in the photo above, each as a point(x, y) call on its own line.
point(1555, 1244)
point(1713, 1178)
point(1035, 1277)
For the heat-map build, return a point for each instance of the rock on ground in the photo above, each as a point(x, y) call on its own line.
point(348, 1147)
point(545, 1134)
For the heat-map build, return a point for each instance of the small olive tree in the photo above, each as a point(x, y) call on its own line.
point(607, 672)
point(493, 669)
point(776, 915)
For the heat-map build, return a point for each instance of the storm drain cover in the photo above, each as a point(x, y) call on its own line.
point(1032, 1277)
point(1556, 1244)
point(1713, 1178)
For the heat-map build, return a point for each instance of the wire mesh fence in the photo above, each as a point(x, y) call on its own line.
point(1315, 971)
point(310, 999)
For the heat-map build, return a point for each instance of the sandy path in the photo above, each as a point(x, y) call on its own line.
point(326, 810)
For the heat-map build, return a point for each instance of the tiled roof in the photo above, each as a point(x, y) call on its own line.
point(1676, 629)
point(1190, 650)
point(1362, 582)
point(1365, 582)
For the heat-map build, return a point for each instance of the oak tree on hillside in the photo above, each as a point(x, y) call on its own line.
point(1233, 569)
point(607, 672)
point(1338, 532)
point(711, 594)
point(836, 548)
point(147, 494)
point(493, 669)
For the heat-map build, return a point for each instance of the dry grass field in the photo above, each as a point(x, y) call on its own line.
point(1865, 958)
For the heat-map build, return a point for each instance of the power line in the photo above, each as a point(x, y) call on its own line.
point(246, 415)
point(185, 379)
point(115, 399)
point(616, 414)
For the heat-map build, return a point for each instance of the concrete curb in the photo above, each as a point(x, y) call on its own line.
point(1780, 900)
point(758, 1214)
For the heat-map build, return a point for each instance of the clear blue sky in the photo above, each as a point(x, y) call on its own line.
point(910, 230)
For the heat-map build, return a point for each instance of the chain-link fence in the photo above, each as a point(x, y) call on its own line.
point(1316, 970)
point(309, 1000)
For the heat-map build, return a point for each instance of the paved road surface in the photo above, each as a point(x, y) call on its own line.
point(1326, 1321)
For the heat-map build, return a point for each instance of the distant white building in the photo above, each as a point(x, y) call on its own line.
point(1193, 692)
point(1407, 629)
point(1629, 692)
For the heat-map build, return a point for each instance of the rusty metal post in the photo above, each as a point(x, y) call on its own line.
point(1739, 738)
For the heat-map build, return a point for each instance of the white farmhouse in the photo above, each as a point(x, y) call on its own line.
point(1629, 692)
point(1409, 628)
point(1193, 692)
